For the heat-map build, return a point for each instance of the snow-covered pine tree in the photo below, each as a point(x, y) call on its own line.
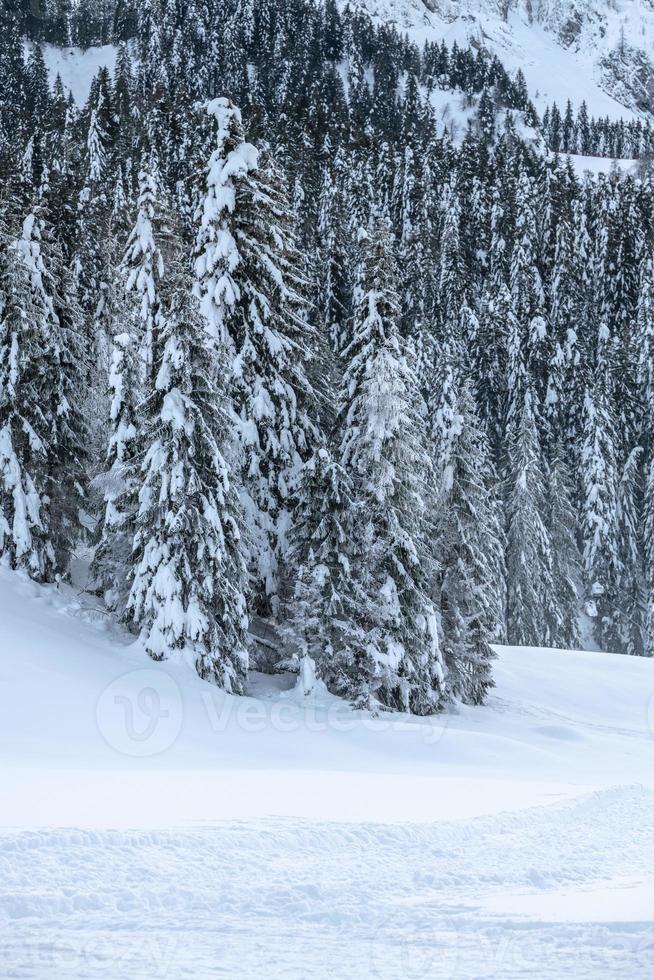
point(12, 87)
point(71, 455)
point(631, 585)
point(37, 90)
point(599, 519)
point(188, 575)
point(565, 315)
point(391, 656)
point(645, 344)
point(441, 402)
point(135, 300)
point(320, 615)
point(530, 590)
point(29, 401)
point(116, 527)
point(488, 362)
point(527, 295)
point(91, 253)
point(563, 610)
point(252, 292)
point(142, 265)
point(331, 272)
point(452, 279)
point(471, 555)
point(51, 299)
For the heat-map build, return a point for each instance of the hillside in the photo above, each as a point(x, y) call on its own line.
point(593, 50)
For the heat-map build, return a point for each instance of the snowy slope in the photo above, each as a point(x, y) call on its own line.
point(152, 826)
point(593, 50)
point(77, 68)
point(597, 50)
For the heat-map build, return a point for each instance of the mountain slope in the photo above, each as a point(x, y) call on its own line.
point(592, 50)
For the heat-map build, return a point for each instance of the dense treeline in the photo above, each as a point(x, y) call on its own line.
point(313, 362)
point(578, 133)
point(75, 22)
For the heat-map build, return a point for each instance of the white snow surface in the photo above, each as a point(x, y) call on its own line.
point(604, 165)
point(151, 826)
point(78, 67)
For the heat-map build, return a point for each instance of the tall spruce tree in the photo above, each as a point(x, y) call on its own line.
point(529, 558)
point(631, 585)
point(391, 656)
point(471, 553)
point(599, 524)
point(115, 532)
point(252, 290)
point(321, 613)
point(188, 577)
point(34, 409)
point(142, 264)
point(563, 609)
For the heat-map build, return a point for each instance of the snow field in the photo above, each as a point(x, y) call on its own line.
point(540, 892)
point(152, 827)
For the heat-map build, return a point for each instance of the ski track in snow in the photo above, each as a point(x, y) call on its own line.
point(291, 898)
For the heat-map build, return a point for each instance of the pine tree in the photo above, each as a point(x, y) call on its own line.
point(332, 279)
point(391, 656)
point(631, 593)
point(12, 87)
point(599, 524)
point(320, 613)
point(71, 454)
point(188, 581)
point(37, 90)
point(252, 291)
point(645, 344)
point(452, 271)
point(116, 529)
point(91, 259)
point(28, 368)
point(142, 264)
point(488, 360)
point(471, 550)
point(530, 589)
point(527, 295)
point(563, 609)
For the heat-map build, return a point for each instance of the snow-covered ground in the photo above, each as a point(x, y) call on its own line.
point(151, 826)
point(77, 67)
point(603, 165)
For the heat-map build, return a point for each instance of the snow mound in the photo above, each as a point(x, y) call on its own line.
point(78, 694)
